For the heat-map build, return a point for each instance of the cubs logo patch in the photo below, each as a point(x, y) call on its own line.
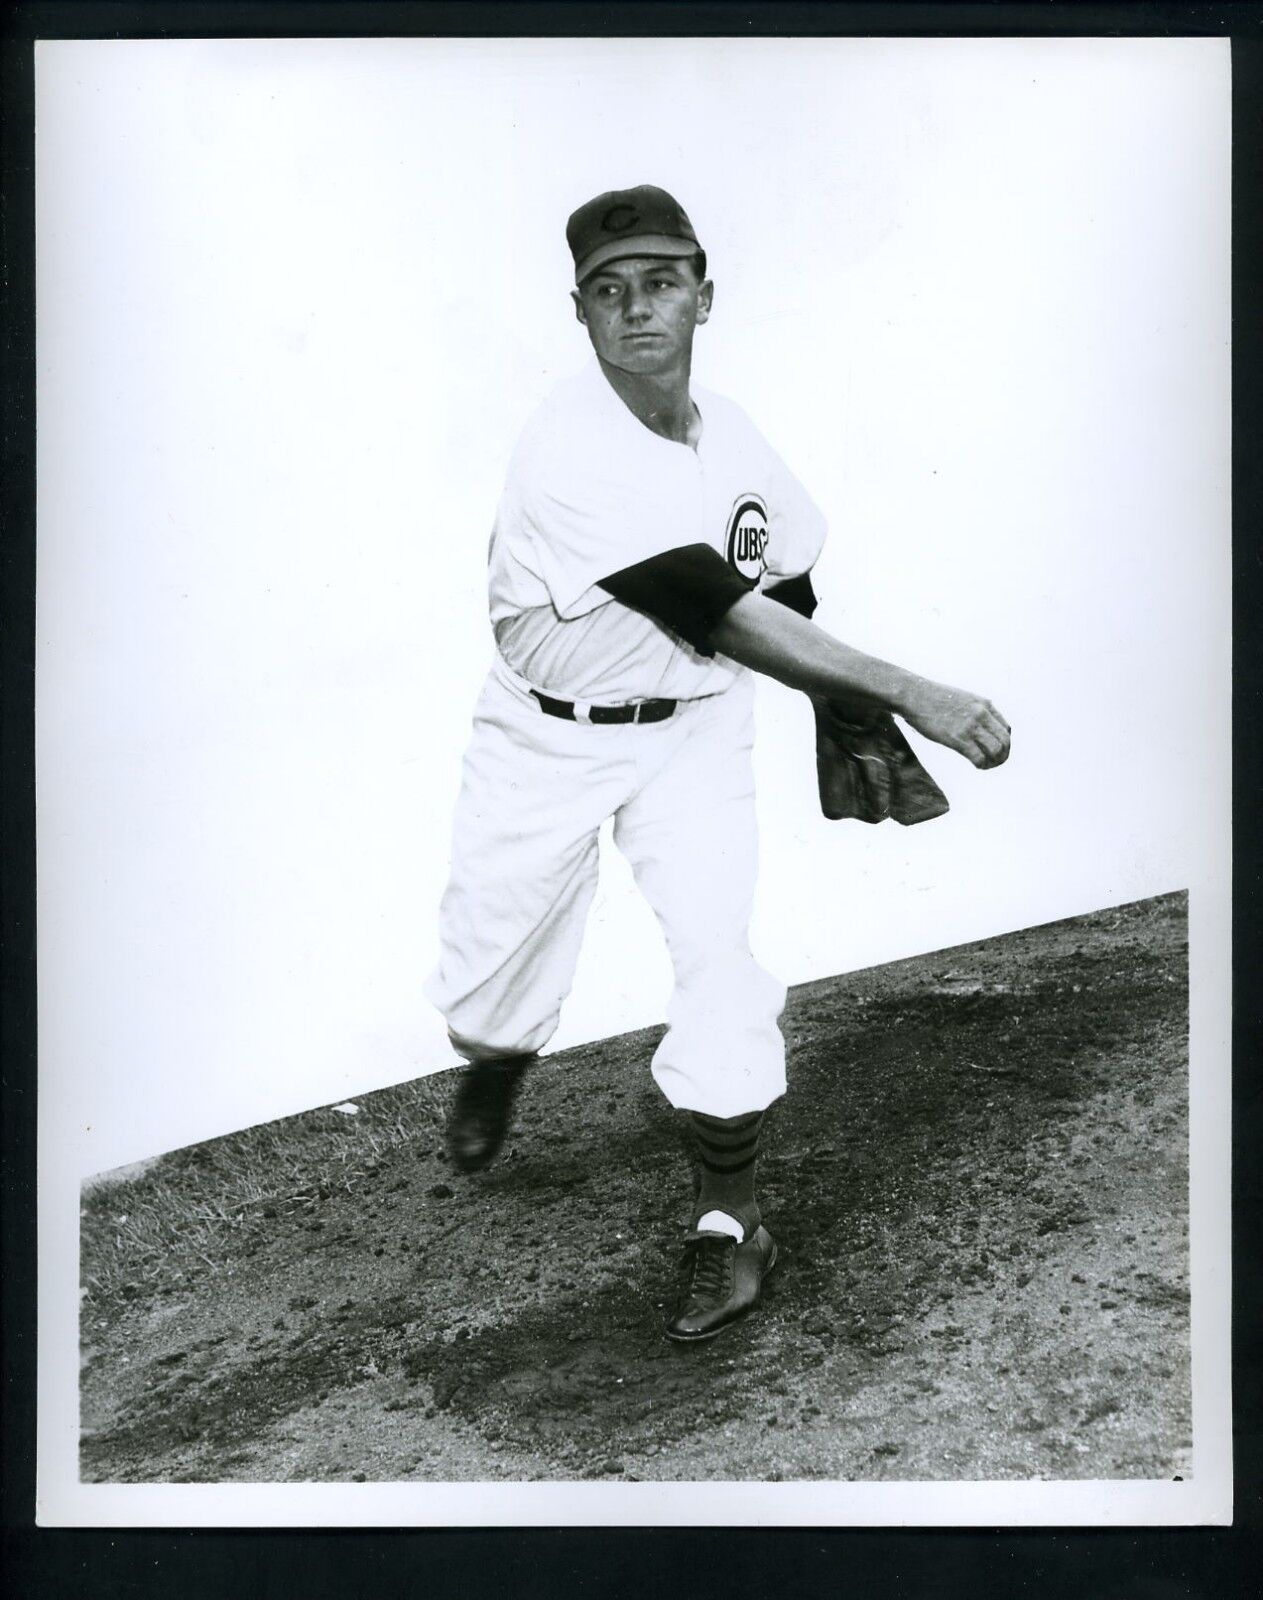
point(747, 537)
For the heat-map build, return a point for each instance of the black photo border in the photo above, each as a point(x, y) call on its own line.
point(259, 1564)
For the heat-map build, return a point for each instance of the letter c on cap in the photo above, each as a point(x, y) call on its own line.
point(619, 218)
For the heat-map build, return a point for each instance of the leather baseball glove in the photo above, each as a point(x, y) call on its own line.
point(866, 768)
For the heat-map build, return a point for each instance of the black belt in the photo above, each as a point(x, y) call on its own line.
point(642, 711)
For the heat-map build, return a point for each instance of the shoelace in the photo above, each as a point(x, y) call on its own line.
point(707, 1261)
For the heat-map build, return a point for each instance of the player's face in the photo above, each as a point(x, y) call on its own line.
point(641, 313)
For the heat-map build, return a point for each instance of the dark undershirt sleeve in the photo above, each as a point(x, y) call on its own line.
point(796, 593)
point(692, 588)
point(689, 590)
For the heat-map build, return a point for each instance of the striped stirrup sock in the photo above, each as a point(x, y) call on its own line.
point(727, 1148)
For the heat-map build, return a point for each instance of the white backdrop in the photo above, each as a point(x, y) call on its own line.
point(295, 300)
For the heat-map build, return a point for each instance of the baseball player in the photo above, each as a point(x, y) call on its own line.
point(649, 549)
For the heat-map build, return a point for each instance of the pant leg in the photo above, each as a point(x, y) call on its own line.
point(534, 792)
point(690, 836)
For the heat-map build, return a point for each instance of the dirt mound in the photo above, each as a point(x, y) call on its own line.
point(978, 1183)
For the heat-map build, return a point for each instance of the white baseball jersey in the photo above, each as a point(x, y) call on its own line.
point(591, 490)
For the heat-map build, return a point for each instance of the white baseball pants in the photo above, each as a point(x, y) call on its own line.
point(535, 790)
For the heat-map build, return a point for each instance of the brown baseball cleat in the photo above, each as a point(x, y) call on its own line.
point(479, 1118)
point(724, 1281)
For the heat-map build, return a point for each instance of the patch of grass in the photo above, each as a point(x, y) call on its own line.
point(199, 1207)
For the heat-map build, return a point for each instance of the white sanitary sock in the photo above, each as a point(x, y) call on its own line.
point(721, 1222)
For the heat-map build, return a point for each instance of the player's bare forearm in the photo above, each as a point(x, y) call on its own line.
point(773, 640)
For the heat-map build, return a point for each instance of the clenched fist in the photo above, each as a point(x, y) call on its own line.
point(962, 721)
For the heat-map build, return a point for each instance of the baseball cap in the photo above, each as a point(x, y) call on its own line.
point(643, 221)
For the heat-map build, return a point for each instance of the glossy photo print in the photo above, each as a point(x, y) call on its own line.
point(626, 931)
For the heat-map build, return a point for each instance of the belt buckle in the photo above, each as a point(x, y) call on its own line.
point(637, 709)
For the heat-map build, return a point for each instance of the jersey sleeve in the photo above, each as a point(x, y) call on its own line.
point(796, 525)
point(689, 590)
point(592, 510)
